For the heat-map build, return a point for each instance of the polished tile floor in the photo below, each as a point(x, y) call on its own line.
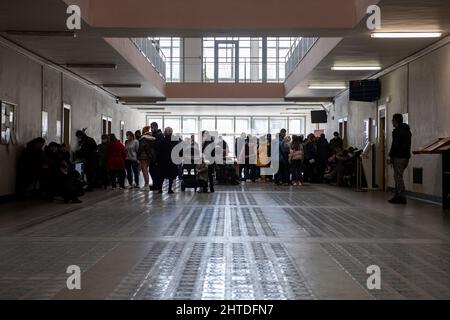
point(255, 241)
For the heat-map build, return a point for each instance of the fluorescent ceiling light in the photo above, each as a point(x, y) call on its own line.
point(327, 87)
point(360, 68)
point(121, 85)
point(406, 34)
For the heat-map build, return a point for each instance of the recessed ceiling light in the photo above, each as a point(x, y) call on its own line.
point(327, 87)
point(406, 34)
point(358, 68)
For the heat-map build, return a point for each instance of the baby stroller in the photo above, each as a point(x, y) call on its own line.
point(189, 177)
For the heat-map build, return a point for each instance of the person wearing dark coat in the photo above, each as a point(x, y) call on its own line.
point(208, 140)
point(53, 159)
point(32, 166)
point(101, 163)
point(323, 154)
point(310, 161)
point(283, 154)
point(153, 165)
point(69, 186)
point(88, 154)
point(243, 156)
point(336, 144)
point(399, 156)
point(166, 167)
point(137, 134)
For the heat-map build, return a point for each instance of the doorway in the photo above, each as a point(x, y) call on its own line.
point(122, 131)
point(343, 128)
point(345, 140)
point(226, 61)
point(66, 129)
point(381, 148)
point(106, 125)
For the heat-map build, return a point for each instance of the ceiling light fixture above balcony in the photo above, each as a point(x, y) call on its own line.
point(356, 68)
point(327, 87)
point(401, 35)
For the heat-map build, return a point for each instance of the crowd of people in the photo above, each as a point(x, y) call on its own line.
point(148, 154)
point(47, 171)
point(52, 171)
point(300, 160)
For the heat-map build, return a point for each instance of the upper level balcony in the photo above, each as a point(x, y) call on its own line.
point(149, 48)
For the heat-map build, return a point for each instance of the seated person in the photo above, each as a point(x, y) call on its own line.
point(338, 162)
point(70, 187)
point(202, 175)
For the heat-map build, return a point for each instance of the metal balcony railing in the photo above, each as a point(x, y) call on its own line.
point(245, 70)
point(149, 49)
point(297, 52)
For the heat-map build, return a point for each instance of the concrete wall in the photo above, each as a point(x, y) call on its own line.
point(356, 113)
point(35, 87)
point(419, 89)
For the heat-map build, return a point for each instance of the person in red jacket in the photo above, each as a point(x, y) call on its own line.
point(115, 162)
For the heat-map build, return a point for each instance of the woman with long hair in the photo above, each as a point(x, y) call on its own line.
point(296, 156)
point(145, 154)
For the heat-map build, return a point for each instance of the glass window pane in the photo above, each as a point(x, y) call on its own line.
point(164, 42)
point(158, 120)
point(260, 126)
point(208, 124)
point(174, 123)
point(244, 43)
point(285, 43)
point(271, 53)
point(296, 126)
point(229, 139)
point(271, 72)
point(244, 53)
point(190, 125)
point(276, 124)
point(176, 72)
point(208, 52)
point(225, 125)
point(242, 125)
point(187, 137)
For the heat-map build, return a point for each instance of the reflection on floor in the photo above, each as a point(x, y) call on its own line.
point(255, 241)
